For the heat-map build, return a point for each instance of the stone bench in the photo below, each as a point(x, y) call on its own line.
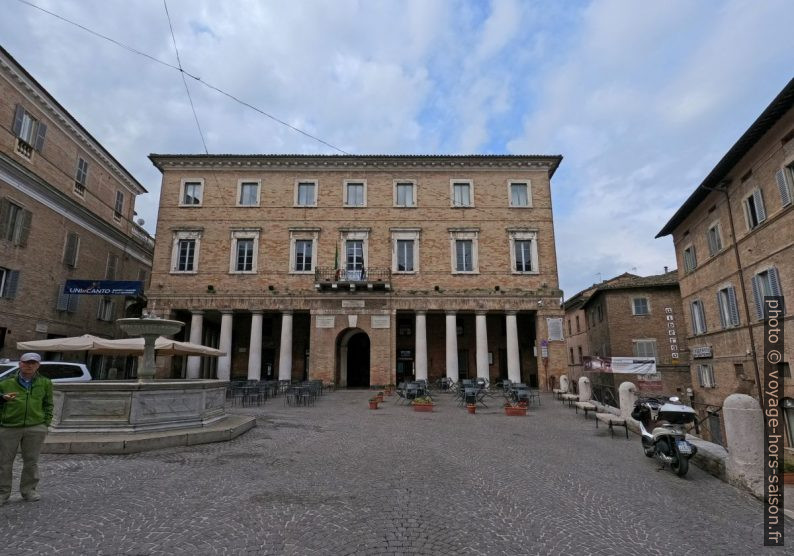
point(570, 398)
point(585, 406)
point(557, 393)
point(612, 421)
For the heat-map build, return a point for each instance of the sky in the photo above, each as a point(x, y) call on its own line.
point(642, 99)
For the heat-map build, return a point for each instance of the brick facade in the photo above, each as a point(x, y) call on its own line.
point(382, 300)
point(732, 345)
point(40, 205)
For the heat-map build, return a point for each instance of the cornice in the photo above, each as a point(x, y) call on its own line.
point(34, 92)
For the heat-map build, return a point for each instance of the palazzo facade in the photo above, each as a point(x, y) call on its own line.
point(361, 270)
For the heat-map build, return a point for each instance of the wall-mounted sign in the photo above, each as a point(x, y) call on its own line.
point(103, 287)
point(555, 329)
point(701, 352)
point(380, 321)
point(632, 365)
point(405, 354)
point(358, 303)
point(325, 321)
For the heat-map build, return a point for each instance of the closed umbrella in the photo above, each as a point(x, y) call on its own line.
point(86, 342)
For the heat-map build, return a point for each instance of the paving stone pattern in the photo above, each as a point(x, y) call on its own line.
point(338, 478)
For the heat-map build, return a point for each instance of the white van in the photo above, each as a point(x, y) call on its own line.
point(57, 371)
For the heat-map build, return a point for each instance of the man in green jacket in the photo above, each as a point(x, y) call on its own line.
point(25, 414)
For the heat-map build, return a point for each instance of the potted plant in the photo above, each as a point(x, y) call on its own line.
point(373, 403)
point(515, 410)
point(423, 403)
point(471, 408)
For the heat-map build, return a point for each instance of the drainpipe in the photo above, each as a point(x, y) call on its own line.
point(723, 187)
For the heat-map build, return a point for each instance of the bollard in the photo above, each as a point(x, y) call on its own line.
point(627, 393)
point(744, 435)
point(565, 384)
point(585, 389)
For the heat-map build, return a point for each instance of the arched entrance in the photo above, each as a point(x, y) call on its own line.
point(353, 359)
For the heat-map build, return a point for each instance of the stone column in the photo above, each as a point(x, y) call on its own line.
point(744, 435)
point(421, 345)
point(196, 331)
point(225, 361)
point(285, 352)
point(513, 360)
point(452, 346)
point(255, 347)
point(482, 346)
point(627, 395)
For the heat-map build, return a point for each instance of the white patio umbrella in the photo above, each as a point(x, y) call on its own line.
point(86, 342)
point(125, 346)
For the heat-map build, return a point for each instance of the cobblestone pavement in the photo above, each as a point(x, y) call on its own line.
point(338, 478)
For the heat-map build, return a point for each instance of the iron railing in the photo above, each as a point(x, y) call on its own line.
point(369, 278)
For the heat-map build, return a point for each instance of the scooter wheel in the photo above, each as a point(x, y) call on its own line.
point(649, 452)
point(680, 465)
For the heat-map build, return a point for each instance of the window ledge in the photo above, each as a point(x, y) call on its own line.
point(302, 272)
point(304, 206)
point(242, 272)
point(525, 272)
point(184, 272)
point(465, 272)
point(405, 272)
point(190, 206)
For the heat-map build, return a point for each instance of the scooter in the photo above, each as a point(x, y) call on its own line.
point(666, 441)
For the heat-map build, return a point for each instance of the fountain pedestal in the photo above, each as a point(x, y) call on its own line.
point(150, 329)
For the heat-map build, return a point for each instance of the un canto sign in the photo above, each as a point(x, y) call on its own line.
point(701, 352)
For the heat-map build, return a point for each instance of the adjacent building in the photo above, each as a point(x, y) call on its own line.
point(734, 241)
point(361, 270)
point(66, 212)
point(634, 317)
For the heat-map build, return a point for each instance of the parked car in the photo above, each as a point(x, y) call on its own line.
point(57, 371)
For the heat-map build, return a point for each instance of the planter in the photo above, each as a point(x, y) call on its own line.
point(515, 411)
point(788, 478)
point(373, 405)
point(426, 407)
point(471, 408)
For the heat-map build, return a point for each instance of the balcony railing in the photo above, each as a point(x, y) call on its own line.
point(367, 278)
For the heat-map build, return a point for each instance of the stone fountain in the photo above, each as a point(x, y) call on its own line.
point(125, 416)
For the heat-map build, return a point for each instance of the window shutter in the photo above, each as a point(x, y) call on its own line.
point(733, 306)
point(41, 129)
point(25, 231)
point(774, 281)
point(12, 284)
point(70, 256)
point(73, 299)
point(702, 311)
point(759, 305)
point(783, 186)
point(4, 206)
point(758, 199)
point(721, 310)
point(710, 238)
point(692, 309)
point(19, 114)
point(99, 306)
point(63, 299)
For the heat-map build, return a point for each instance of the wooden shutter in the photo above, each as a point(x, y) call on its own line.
point(4, 208)
point(41, 129)
point(70, 256)
point(774, 281)
point(19, 114)
point(733, 306)
point(692, 309)
point(12, 284)
point(758, 200)
point(26, 217)
point(72, 305)
point(63, 299)
point(721, 309)
point(783, 187)
point(759, 305)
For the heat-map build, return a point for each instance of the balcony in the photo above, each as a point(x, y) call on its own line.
point(338, 279)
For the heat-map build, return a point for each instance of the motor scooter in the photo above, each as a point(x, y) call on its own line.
point(663, 431)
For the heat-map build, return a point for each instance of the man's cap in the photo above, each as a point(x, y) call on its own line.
point(30, 357)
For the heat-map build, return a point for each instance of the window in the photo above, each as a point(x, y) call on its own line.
point(304, 249)
point(578, 328)
point(248, 194)
point(570, 330)
point(784, 178)
point(728, 308)
point(462, 193)
point(245, 243)
point(572, 360)
point(706, 375)
point(118, 209)
point(754, 209)
point(738, 370)
point(714, 239)
point(106, 309)
point(690, 259)
point(464, 250)
point(644, 348)
point(785, 369)
point(65, 301)
point(520, 195)
point(29, 131)
point(404, 194)
point(80, 176)
point(405, 249)
point(355, 194)
point(580, 353)
point(405, 255)
point(600, 311)
point(110, 268)
point(9, 283)
point(185, 251)
point(765, 284)
point(698, 318)
point(353, 255)
point(192, 192)
point(639, 306)
point(306, 194)
point(14, 222)
point(523, 251)
point(71, 249)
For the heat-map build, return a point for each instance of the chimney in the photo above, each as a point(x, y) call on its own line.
point(665, 270)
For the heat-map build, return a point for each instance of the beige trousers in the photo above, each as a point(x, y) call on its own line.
point(31, 440)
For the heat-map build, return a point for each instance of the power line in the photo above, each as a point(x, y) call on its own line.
point(208, 85)
point(184, 81)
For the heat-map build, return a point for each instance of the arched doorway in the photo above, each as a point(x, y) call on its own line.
point(353, 359)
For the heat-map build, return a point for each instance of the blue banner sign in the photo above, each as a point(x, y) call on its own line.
point(103, 287)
